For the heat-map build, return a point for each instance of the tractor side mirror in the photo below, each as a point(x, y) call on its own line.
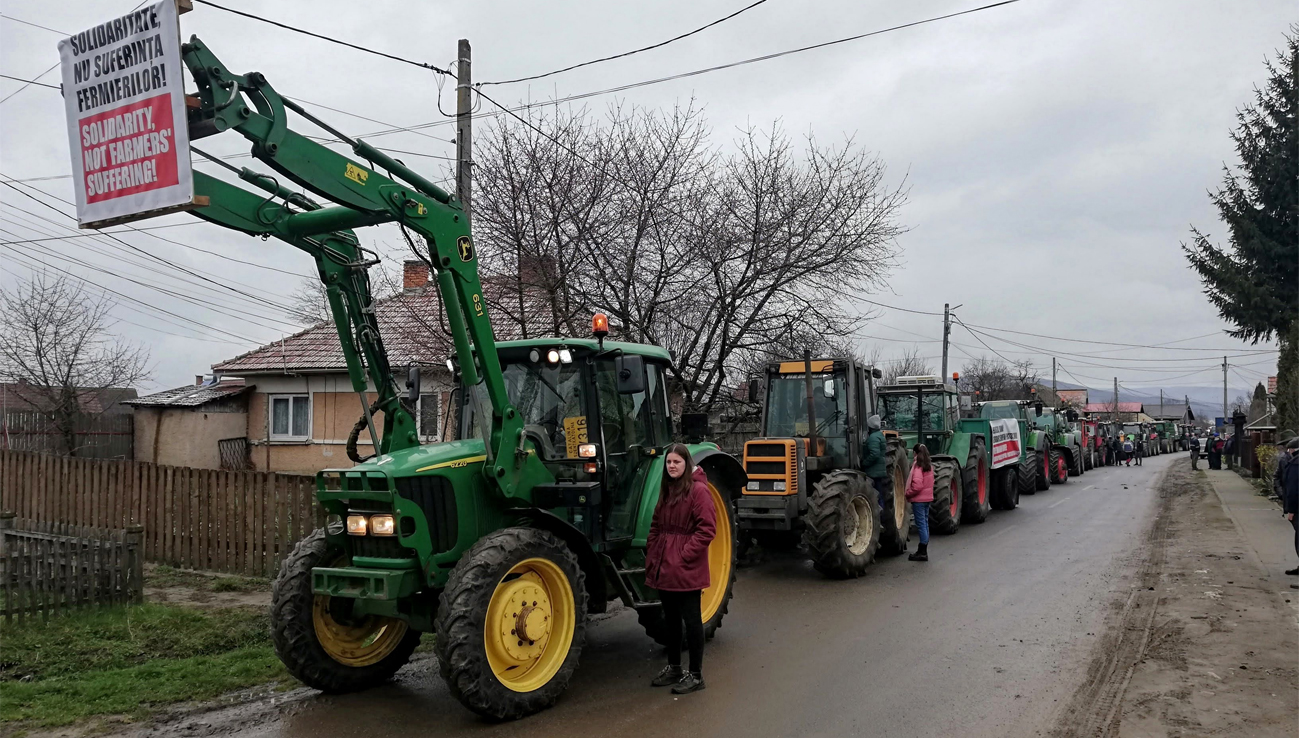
point(1037, 408)
point(412, 384)
point(755, 389)
point(827, 389)
point(694, 426)
point(875, 372)
point(630, 374)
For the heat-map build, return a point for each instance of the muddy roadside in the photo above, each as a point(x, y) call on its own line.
point(1202, 644)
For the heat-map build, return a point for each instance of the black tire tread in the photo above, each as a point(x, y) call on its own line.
point(293, 633)
point(971, 511)
point(824, 532)
point(462, 659)
point(1027, 476)
point(941, 519)
point(893, 540)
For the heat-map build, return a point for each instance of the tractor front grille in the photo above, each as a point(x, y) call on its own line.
point(765, 450)
point(379, 547)
point(438, 501)
point(765, 467)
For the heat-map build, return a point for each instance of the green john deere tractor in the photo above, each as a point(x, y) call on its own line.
point(805, 469)
point(926, 410)
point(501, 543)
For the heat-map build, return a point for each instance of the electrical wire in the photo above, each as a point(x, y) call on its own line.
point(305, 32)
point(34, 25)
point(628, 53)
point(30, 82)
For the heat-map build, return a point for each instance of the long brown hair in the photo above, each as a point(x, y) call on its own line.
point(922, 458)
point(674, 489)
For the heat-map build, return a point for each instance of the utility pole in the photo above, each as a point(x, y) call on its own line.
point(1161, 404)
point(1114, 416)
point(1055, 396)
point(464, 132)
point(947, 331)
point(1224, 394)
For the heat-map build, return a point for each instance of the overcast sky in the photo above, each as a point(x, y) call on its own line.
point(1057, 153)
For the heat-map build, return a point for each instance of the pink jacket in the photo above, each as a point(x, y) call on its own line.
point(920, 487)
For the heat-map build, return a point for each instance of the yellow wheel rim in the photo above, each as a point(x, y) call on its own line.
point(720, 557)
point(529, 625)
point(361, 643)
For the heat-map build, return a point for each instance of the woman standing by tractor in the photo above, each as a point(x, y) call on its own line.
point(920, 492)
point(676, 564)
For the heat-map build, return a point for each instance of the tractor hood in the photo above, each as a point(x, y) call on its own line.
point(424, 459)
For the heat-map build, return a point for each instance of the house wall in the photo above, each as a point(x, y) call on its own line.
point(184, 436)
point(334, 409)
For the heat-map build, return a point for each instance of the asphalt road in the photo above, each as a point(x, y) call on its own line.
point(990, 638)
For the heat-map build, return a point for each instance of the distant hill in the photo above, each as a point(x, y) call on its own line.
point(1206, 402)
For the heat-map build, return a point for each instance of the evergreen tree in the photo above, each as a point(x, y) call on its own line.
point(1254, 282)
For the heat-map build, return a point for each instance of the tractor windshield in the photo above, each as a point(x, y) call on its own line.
point(787, 410)
point(902, 412)
point(551, 400)
point(1007, 412)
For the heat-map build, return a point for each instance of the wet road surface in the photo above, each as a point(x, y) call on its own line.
point(990, 638)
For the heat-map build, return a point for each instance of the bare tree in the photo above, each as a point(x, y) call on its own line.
point(994, 379)
point(56, 341)
point(909, 365)
point(308, 302)
point(724, 258)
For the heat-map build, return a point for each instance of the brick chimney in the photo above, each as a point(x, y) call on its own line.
point(414, 275)
point(198, 380)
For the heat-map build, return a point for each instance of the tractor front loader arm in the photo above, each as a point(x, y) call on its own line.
point(362, 196)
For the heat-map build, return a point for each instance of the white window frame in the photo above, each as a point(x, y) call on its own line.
point(270, 416)
point(419, 412)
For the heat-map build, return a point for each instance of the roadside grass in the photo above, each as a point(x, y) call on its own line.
point(162, 576)
point(129, 661)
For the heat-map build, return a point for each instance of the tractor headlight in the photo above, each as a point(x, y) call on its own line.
point(779, 486)
point(586, 451)
point(565, 356)
point(552, 356)
point(753, 485)
point(356, 525)
point(382, 525)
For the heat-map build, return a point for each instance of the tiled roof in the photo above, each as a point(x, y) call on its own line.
point(1105, 407)
point(191, 395)
point(408, 322)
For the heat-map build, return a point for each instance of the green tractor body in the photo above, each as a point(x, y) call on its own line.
point(807, 479)
point(967, 482)
point(1043, 461)
point(1064, 438)
point(501, 543)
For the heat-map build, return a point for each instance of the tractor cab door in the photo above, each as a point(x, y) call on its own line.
point(635, 427)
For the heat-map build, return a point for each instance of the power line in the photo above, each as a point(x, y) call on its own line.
point(1160, 347)
point(34, 25)
point(628, 53)
point(304, 32)
point(30, 82)
point(92, 235)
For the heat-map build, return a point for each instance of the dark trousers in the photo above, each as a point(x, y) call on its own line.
point(1295, 523)
point(1195, 458)
point(884, 490)
point(1215, 460)
point(681, 607)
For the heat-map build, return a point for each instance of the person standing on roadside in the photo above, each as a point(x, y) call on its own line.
point(1215, 452)
point(1290, 493)
point(1195, 452)
point(1128, 449)
point(1285, 457)
point(1140, 448)
point(676, 563)
point(1230, 451)
point(920, 492)
point(874, 461)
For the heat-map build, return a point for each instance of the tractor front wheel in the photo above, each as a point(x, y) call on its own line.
point(945, 510)
point(1027, 476)
point(975, 482)
point(511, 623)
point(895, 513)
point(1045, 462)
point(843, 524)
point(1011, 486)
point(319, 638)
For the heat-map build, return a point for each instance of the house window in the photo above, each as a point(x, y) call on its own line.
point(290, 417)
point(428, 416)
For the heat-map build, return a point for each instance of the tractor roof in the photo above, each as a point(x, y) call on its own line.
point(923, 382)
point(641, 349)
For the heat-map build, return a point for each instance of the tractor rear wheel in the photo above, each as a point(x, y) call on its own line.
point(975, 483)
point(843, 524)
point(1011, 486)
point(1075, 463)
point(1044, 466)
point(319, 639)
point(895, 513)
point(945, 510)
point(722, 556)
point(1059, 467)
point(1028, 470)
point(511, 623)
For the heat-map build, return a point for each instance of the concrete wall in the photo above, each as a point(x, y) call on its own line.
point(184, 436)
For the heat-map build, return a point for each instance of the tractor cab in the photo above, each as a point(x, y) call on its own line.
point(921, 409)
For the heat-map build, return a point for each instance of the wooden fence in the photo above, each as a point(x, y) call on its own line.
point(50, 568)
point(110, 436)
point(241, 522)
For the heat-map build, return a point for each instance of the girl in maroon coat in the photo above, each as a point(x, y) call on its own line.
point(676, 563)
